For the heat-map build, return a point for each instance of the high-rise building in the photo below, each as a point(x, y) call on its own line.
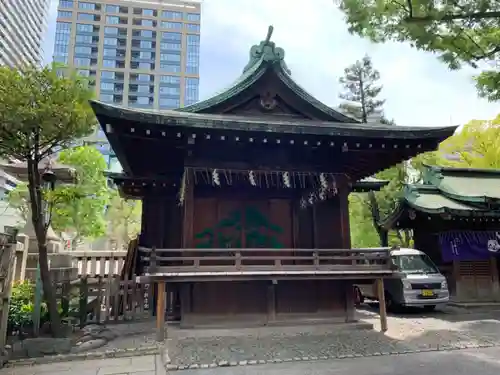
point(22, 25)
point(139, 53)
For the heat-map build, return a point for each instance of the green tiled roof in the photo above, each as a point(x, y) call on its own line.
point(470, 185)
point(265, 57)
point(431, 200)
point(455, 191)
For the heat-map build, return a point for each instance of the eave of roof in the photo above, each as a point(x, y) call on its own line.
point(267, 124)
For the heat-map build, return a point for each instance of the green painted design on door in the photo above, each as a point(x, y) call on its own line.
point(258, 231)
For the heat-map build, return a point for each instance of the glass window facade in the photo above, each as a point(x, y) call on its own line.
point(195, 27)
point(64, 14)
point(113, 20)
point(87, 17)
point(171, 25)
point(171, 15)
point(192, 53)
point(66, 4)
point(166, 42)
point(62, 41)
point(88, 6)
point(191, 90)
point(112, 8)
point(193, 17)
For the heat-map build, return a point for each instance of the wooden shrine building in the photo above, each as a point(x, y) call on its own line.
point(245, 197)
point(455, 217)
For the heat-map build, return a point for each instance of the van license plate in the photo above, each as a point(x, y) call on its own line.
point(427, 293)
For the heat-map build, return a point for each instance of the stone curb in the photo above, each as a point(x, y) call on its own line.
point(112, 353)
point(439, 348)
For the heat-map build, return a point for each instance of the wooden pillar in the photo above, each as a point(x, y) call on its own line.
point(382, 307)
point(185, 302)
point(160, 312)
point(349, 301)
point(495, 287)
point(271, 302)
point(457, 279)
point(343, 196)
point(188, 212)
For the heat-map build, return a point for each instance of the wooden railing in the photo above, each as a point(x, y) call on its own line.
point(97, 263)
point(226, 260)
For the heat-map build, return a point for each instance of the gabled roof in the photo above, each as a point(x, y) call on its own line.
point(265, 57)
point(457, 192)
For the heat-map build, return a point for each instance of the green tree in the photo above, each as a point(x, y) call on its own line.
point(459, 31)
point(39, 113)
point(77, 208)
point(80, 208)
point(476, 145)
point(124, 219)
point(361, 90)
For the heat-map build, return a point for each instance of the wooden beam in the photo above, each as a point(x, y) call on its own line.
point(382, 306)
point(160, 312)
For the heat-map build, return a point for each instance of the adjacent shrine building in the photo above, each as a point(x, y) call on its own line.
point(455, 217)
point(245, 197)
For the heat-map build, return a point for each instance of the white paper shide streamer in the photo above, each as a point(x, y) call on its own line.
point(182, 191)
point(286, 179)
point(215, 177)
point(251, 178)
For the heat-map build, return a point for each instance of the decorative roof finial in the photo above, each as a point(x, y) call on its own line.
point(266, 51)
point(270, 30)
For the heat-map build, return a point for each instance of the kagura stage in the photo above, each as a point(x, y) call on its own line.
point(245, 198)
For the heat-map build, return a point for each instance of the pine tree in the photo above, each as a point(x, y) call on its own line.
point(360, 82)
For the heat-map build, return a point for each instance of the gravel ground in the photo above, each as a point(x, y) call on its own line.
point(463, 362)
point(408, 333)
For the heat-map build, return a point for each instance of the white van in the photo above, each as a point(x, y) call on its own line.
point(421, 283)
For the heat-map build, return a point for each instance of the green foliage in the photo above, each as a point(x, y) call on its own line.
point(360, 82)
point(124, 218)
point(79, 207)
point(459, 31)
point(21, 305)
point(363, 233)
point(477, 145)
point(40, 111)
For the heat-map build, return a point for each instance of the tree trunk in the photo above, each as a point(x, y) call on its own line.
point(382, 233)
point(40, 227)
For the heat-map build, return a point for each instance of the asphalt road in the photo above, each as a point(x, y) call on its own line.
point(458, 362)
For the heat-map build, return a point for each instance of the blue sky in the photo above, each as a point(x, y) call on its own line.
point(419, 90)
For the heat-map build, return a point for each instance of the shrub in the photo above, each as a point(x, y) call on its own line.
point(22, 305)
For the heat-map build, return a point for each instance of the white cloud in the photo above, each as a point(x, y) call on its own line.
point(418, 88)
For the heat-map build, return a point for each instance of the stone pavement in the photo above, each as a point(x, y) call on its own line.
point(145, 365)
point(137, 337)
point(463, 362)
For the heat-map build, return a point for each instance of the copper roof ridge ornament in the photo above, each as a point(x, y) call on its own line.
point(270, 31)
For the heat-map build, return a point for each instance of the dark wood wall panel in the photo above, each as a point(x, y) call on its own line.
point(161, 223)
point(296, 297)
point(228, 298)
